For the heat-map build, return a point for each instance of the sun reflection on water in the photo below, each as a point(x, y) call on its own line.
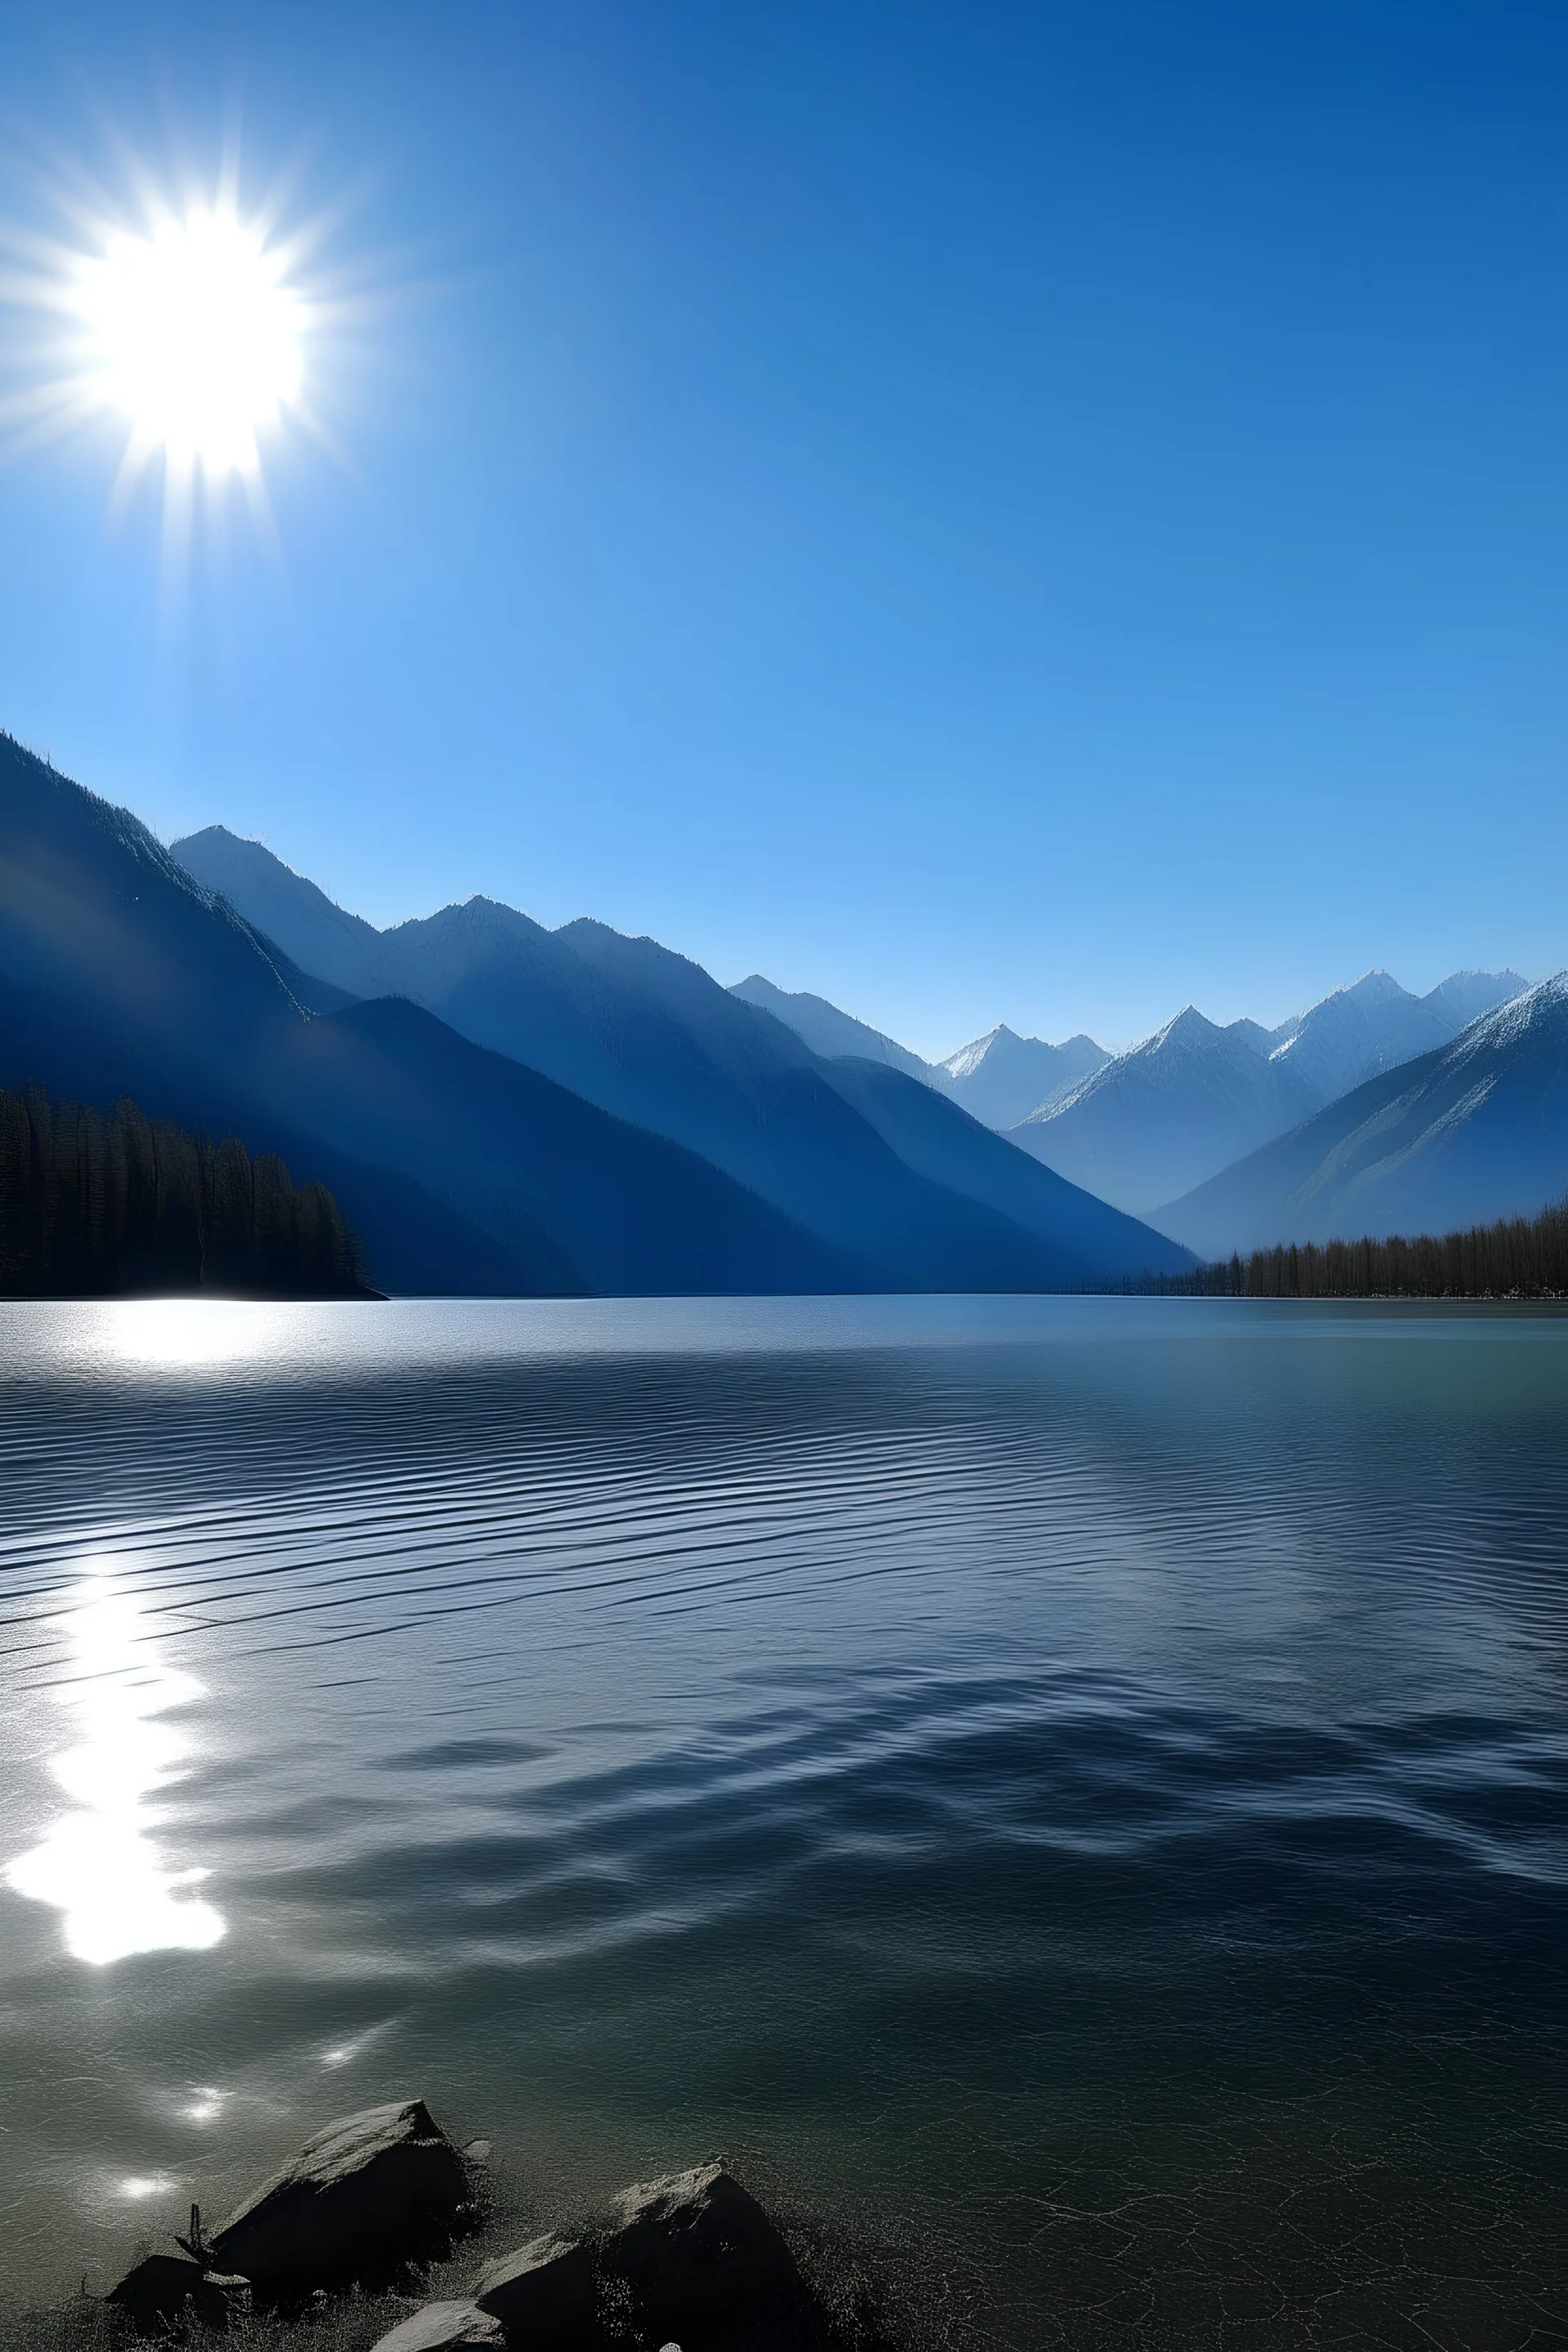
point(100, 1864)
point(183, 1330)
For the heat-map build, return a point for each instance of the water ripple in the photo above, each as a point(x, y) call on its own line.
point(1080, 1790)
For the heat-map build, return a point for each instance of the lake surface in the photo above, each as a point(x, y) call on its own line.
point(1073, 1792)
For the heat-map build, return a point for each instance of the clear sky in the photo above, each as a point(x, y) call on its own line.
point(987, 511)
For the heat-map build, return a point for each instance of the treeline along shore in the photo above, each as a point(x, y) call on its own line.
point(99, 1205)
point(1517, 1257)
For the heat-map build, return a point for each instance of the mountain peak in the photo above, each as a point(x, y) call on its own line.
point(1003, 1079)
point(1189, 1027)
point(323, 939)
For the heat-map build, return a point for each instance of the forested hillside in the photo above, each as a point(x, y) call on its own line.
point(94, 1205)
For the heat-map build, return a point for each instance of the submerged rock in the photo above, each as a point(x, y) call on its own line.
point(706, 2266)
point(544, 2294)
point(362, 2200)
point(442, 2327)
point(161, 2290)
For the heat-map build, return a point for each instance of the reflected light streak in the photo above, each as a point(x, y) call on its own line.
point(100, 1864)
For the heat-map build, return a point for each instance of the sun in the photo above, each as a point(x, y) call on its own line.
point(189, 324)
point(192, 336)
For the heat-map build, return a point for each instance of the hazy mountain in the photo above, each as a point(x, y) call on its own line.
point(1476, 1129)
point(626, 1211)
point(827, 1031)
point(1192, 1098)
point(945, 1143)
point(1171, 1113)
point(763, 1106)
point(322, 937)
point(1000, 1078)
point(1375, 1025)
point(653, 1038)
point(1464, 996)
point(1252, 1033)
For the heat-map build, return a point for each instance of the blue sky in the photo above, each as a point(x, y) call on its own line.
point(990, 512)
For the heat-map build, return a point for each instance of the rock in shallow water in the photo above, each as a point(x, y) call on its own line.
point(544, 2294)
point(706, 2266)
point(442, 2327)
point(362, 2200)
point(158, 2292)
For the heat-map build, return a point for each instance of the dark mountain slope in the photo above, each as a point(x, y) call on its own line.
point(632, 1211)
point(92, 906)
point(1089, 1241)
point(120, 974)
point(76, 1043)
point(1475, 1130)
point(748, 1093)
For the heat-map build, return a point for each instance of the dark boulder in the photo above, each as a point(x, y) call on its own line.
point(167, 2288)
point(544, 2294)
point(442, 2327)
point(706, 2266)
point(368, 2197)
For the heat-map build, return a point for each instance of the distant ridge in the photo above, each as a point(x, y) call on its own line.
point(1191, 1098)
point(826, 1029)
point(1464, 996)
point(1354, 1031)
point(1174, 1110)
point(322, 937)
point(1002, 1077)
point(1475, 1131)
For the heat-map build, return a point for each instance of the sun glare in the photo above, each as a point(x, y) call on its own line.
point(192, 325)
point(193, 338)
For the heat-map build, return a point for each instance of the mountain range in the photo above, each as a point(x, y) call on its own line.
point(504, 1108)
point(1239, 1136)
point(1476, 1129)
point(1002, 1077)
point(1160, 1119)
point(998, 1078)
point(1184, 1103)
point(903, 1191)
point(827, 1031)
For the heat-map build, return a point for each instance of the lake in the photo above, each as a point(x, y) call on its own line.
point(1069, 1795)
